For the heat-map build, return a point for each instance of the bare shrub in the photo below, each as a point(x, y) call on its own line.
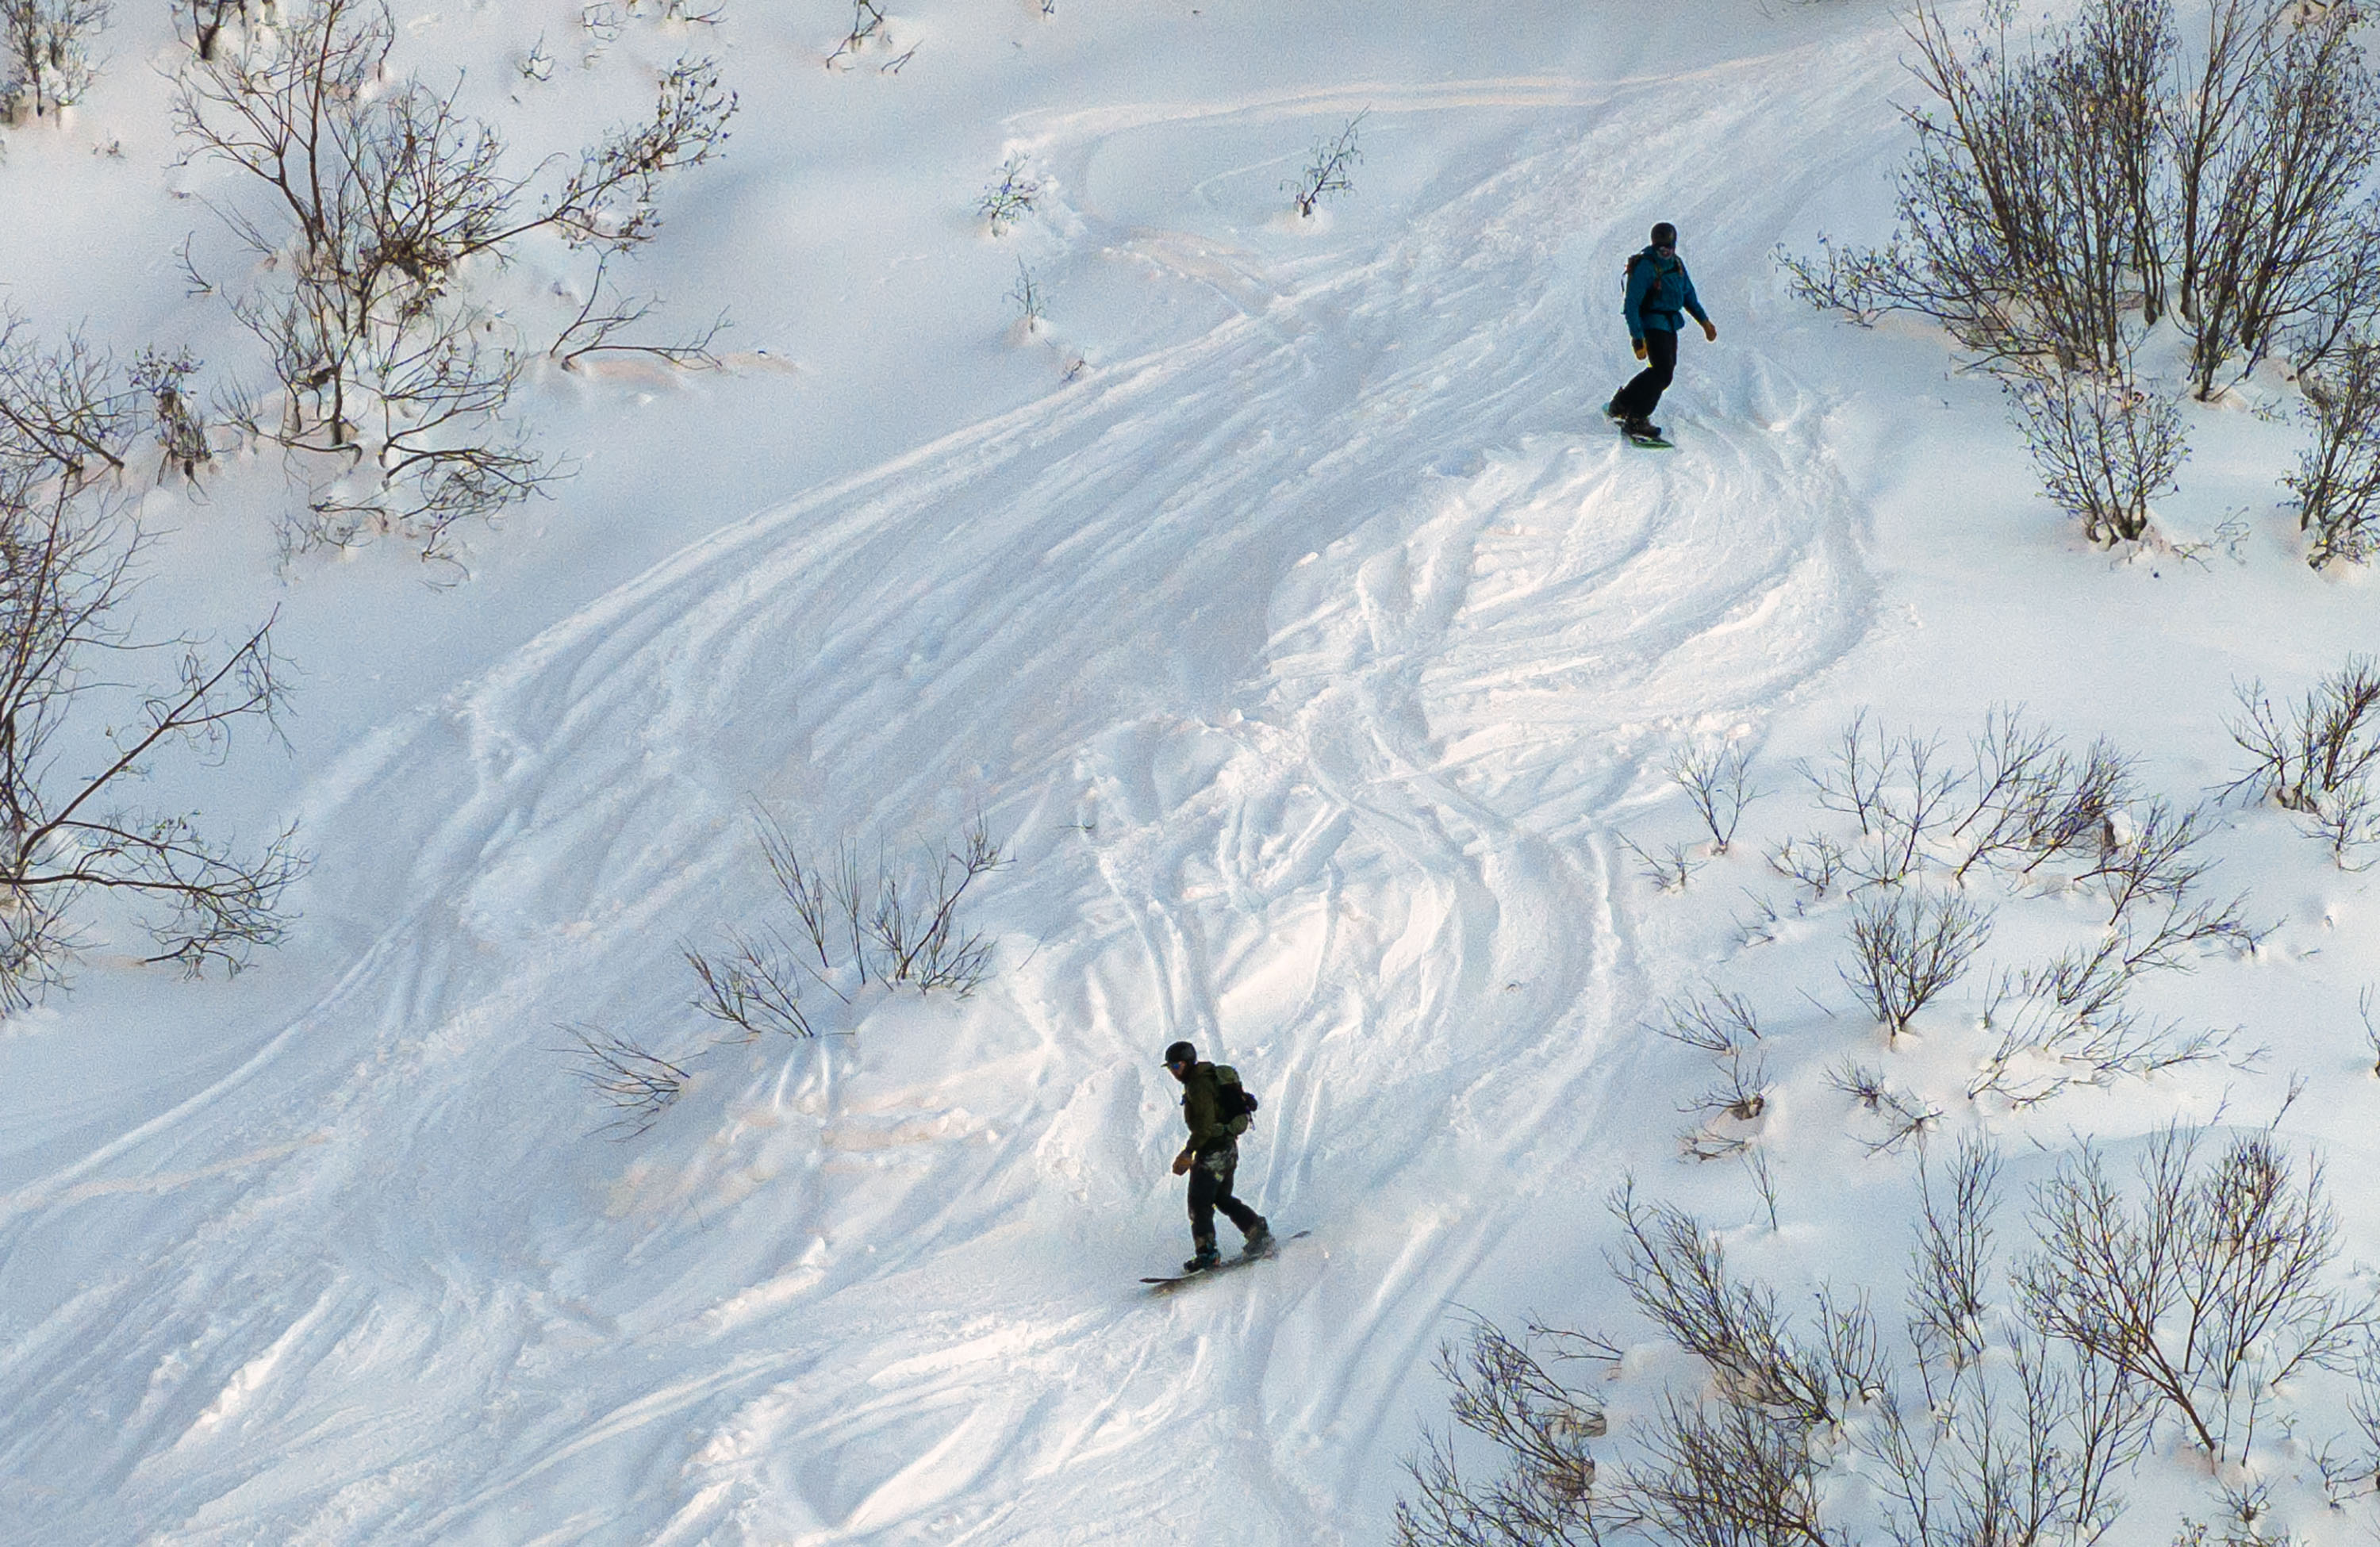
point(69, 555)
point(2348, 824)
point(2029, 210)
point(2306, 752)
point(1726, 1472)
point(638, 1084)
point(1741, 1095)
point(1909, 811)
point(1677, 1274)
point(2273, 146)
point(2210, 1292)
point(2364, 1008)
point(1852, 781)
point(2062, 181)
point(1992, 1425)
point(1671, 869)
point(1897, 791)
point(47, 45)
point(1903, 1115)
point(2321, 756)
point(2337, 481)
point(181, 426)
point(2156, 860)
point(2028, 1450)
point(2034, 800)
point(1717, 779)
point(1951, 1265)
point(891, 922)
point(1988, 1437)
point(2007, 1440)
point(2104, 445)
point(605, 324)
point(1009, 199)
point(209, 19)
point(867, 23)
point(2071, 1020)
point(754, 985)
point(1814, 862)
point(1329, 169)
point(1854, 281)
point(1031, 305)
point(1908, 948)
point(1722, 1026)
point(1509, 1393)
point(394, 384)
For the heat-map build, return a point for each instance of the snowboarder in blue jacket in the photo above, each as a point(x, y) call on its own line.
point(1660, 292)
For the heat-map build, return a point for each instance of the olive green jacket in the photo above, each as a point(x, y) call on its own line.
point(1201, 1104)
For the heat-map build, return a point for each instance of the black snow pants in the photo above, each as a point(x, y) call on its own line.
point(1643, 394)
point(1210, 1188)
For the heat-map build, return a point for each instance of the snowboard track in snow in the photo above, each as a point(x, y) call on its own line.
point(1312, 663)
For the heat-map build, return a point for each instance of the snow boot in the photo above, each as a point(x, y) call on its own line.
point(1640, 427)
point(1259, 1239)
point(1612, 410)
point(1208, 1258)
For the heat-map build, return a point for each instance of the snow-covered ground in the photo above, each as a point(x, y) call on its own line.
point(1284, 605)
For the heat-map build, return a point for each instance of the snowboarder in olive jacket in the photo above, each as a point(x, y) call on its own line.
point(1210, 1157)
point(1659, 294)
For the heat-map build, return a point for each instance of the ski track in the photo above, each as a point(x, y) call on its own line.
point(1309, 662)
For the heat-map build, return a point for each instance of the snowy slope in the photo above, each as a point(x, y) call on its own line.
point(1312, 647)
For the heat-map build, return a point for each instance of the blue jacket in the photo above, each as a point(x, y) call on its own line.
point(1658, 289)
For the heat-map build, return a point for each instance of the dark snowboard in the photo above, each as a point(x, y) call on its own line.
point(1650, 442)
point(1244, 1259)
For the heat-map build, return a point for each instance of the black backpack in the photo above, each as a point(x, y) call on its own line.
point(1234, 1102)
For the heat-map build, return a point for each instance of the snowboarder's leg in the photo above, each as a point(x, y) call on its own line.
point(1204, 1189)
point(1251, 1223)
point(1643, 394)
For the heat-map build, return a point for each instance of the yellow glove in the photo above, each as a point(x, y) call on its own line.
point(1640, 348)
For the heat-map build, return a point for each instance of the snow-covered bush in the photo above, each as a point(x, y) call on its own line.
point(1718, 780)
point(181, 427)
point(2277, 241)
point(1919, 837)
point(2029, 199)
point(2321, 756)
point(2337, 481)
point(2063, 185)
point(1329, 169)
point(638, 1084)
point(1906, 947)
point(69, 552)
point(1032, 305)
point(2105, 445)
point(846, 923)
point(868, 24)
point(48, 62)
point(377, 194)
point(2209, 1294)
point(209, 20)
point(2202, 1300)
point(1009, 197)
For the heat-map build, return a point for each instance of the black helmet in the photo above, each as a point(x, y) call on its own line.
point(1665, 235)
point(1180, 1053)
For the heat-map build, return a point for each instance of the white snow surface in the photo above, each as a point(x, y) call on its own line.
point(1311, 648)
